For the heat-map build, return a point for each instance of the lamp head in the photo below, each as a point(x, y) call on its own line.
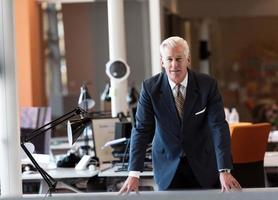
point(75, 128)
point(105, 95)
point(85, 101)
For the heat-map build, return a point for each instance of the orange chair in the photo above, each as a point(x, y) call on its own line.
point(248, 144)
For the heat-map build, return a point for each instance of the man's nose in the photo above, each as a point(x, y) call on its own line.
point(174, 63)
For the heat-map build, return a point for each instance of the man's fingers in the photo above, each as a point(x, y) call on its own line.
point(236, 185)
point(123, 189)
point(233, 185)
point(226, 188)
point(229, 183)
point(131, 184)
point(222, 188)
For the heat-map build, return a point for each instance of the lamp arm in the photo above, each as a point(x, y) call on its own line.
point(53, 124)
point(51, 182)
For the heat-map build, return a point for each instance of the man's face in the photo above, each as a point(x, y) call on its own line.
point(175, 63)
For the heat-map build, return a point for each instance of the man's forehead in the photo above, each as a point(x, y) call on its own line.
point(179, 55)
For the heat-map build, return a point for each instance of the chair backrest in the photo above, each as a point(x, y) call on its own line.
point(32, 118)
point(249, 142)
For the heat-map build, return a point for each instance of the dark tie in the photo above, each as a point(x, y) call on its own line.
point(179, 100)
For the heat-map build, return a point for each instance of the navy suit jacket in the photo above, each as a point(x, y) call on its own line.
point(203, 134)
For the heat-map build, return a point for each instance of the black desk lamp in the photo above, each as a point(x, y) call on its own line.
point(85, 102)
point(83, 122)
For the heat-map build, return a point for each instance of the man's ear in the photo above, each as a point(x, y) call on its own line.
point(189, 60)
point(161, 62)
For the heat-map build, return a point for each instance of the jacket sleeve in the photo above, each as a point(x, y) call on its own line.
point(219, 128)
point(143, 130)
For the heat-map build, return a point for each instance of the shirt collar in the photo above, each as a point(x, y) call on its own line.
point(183, 83)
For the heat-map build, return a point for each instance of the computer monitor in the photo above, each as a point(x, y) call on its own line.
point(104, 131)
point(122, 129)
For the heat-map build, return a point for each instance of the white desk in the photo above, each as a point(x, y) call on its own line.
point(116, 178)
point(111, 173)
point(271, 159)
point(273, 136)
point(60, 174)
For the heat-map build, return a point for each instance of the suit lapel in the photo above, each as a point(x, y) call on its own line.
point(191, 95)
point(168, 99)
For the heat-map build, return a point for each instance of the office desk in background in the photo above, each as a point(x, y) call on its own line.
point(271, 168)
point(60, 145)
point(271, 159)
point(112, 172)
point(115, 179)
point(273, 141)
point(273, 136)
point(62, 175)
point(270, 164)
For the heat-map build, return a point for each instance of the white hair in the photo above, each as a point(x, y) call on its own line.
point(173, 42)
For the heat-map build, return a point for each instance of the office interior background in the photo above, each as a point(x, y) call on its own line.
point(61, 45)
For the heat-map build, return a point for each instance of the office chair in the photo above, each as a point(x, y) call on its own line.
point(32, 118)
point(248, 144)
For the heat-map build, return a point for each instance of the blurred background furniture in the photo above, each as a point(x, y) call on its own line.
point(248, 144)
point(32, 118)
point(68, 179)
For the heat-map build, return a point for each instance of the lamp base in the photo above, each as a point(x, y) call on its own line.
point(85, 150)
point(69, 160)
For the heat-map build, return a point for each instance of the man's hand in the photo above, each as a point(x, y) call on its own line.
point(228, 182)
point(131, 184)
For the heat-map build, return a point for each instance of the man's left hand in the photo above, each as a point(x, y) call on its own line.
point(228, 182)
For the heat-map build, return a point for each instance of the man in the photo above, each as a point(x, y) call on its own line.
point(184, 110)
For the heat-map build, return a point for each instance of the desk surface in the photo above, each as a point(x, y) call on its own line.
point(271, 159)
point(273, 136)
point(62, 173)
point(111, 173)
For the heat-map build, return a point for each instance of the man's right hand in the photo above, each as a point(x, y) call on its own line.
point(131, 184)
